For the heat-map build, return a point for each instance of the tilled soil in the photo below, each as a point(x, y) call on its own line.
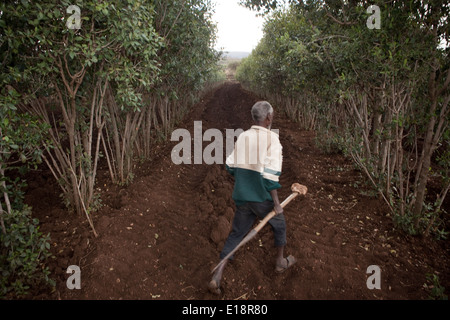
point(160, 237)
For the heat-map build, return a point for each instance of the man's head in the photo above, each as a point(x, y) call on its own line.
point(262, 114)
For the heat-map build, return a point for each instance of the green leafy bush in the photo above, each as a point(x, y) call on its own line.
point(379, 96)
point(24, 250)
point(435, 288)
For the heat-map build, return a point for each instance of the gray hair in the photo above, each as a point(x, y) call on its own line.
point(261, 110)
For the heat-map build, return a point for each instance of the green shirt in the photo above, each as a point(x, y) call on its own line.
point(250, 186)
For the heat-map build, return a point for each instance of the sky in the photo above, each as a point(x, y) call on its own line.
point(238, 27)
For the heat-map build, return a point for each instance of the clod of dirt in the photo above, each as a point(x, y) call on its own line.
point(205, 208)
point(103, 222)
point(229, 213)
point(221, 230)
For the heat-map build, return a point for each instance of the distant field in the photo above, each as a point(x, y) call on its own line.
point(229, 65)
point(236, 55)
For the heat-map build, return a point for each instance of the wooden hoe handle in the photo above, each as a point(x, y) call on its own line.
point(296, 190)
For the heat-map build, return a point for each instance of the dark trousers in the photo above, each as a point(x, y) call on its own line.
point(244, 219)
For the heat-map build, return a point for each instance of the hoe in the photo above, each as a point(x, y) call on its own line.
point(296, 190)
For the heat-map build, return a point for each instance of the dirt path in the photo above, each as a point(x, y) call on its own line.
point(161, 236)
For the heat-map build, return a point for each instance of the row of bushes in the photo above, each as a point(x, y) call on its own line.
point(84, 80)
point(373, 79)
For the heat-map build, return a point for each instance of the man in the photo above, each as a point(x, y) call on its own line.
point(256, 164)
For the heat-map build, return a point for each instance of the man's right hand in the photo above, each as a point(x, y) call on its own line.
point(278, 209)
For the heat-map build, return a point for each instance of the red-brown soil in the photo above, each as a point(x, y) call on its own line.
point(160, 237)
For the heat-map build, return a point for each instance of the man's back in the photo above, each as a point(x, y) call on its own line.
point(255, 163)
